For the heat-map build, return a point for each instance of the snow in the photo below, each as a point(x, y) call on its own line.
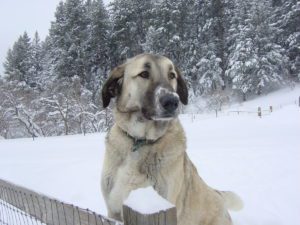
point(258, 158)
point(23, 217)
point(278, 99)
point(154, 202)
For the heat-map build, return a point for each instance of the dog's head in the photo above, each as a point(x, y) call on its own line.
point(149, 84)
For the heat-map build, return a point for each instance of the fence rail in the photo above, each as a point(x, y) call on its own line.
point(21, 206)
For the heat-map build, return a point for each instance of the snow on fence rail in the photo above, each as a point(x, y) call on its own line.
point(21, 206)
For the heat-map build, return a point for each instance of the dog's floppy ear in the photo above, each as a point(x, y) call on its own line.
point(182, 90)
point(113, 85)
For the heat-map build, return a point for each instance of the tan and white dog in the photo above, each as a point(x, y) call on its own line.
point(147, 146)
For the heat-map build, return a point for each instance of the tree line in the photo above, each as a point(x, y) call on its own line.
point(223, 47)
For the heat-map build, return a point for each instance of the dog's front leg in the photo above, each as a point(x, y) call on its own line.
point(107, 183)
point(126, 179)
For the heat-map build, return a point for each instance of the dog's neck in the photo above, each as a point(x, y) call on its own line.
point(139, 128)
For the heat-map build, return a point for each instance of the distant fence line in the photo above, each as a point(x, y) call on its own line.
point(21, 206)
point(258, 112)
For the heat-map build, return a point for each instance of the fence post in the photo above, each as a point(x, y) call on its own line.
point(271, 109)
point(153, 211)
point(132, 217)
point(259, 112)
point(192, 117)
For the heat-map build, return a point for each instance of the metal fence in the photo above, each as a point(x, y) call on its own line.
point(21, 206)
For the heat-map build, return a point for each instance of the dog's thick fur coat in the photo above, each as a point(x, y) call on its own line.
point(164, 163)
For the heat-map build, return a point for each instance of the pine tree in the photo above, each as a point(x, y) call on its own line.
point(218, 21)
point(210, 71)
point(96, 47)
point(287, 19)
point(18, 62)
point(36, 61)
point(163, 34)
point(203, 66)
point(242, 67)
point(256, 63)
point(131, 20)
point(48, 62)
point(67, 34)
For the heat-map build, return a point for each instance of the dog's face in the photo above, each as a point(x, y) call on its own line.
point(149, 84)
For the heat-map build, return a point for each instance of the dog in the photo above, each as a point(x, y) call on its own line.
point(147, 145)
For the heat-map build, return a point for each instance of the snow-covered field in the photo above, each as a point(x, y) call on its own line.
point(258, 158)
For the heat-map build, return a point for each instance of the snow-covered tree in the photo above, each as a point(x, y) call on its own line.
point(167, 33)
point(96, 47)
point(18, 61)
point(256, 64)
point(34, 73)
point(210, 74)
point(130, 21)
point(67, 34)
point(52, 87)
point(287, 19)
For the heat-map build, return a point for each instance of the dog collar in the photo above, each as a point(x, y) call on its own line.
point(138, 142)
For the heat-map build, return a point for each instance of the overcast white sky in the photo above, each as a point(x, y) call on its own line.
point(17, 16)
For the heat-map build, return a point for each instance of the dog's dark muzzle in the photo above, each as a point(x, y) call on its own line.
point(169, 103)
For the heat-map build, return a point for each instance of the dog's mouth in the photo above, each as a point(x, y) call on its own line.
point(146, 114)
point(165, 116)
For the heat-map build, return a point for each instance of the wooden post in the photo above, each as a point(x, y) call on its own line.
point(193, 117)
point(145, 207)
point(164, 217)
point(271, 108)
point(259, 112)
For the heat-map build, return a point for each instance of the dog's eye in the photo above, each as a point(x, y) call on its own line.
point(144, 74)
point(172, 76)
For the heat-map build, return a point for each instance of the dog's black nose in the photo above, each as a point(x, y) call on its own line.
point(169, 102)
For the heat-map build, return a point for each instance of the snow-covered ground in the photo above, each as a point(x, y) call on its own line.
point(258, 158)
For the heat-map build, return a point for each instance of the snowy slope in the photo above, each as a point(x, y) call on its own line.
point(258, 158)
point(278, 99)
